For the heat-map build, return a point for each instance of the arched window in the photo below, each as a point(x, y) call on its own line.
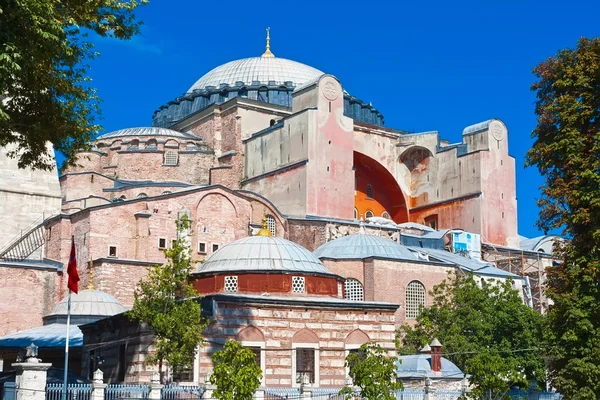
point(243, 93)
point(171, 158)
point(151, 144)
point(114, 159)
point(386, 215)
point(167, 192)
point(369, 191)
point(134, 144)
point(271, 224)
point(415, 299)
point(142, 195)
point(355, 213)
point(122, 197)
point(369, 214)
point(353, 290)
point(272, 122)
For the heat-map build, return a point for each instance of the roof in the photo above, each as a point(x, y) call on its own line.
point(146, 131)
point(361, 246)
point(262, 254)
point(90, 303)
point(533, 243)
point(482, 126)
point(412, 225)
point(418, 366)
point(262, 69)
point(469, 264)
point(53, 335)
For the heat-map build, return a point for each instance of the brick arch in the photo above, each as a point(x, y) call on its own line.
point(212, 196)
point(305, 336)
point(357, 337)
point(250, 334)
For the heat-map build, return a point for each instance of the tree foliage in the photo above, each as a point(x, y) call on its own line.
point(485, 329)
point(44, 84)
point(373, 371)
point(566, 152)
point(169, 304)
point(236, 373)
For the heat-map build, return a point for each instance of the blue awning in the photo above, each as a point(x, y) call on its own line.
point(46, 336)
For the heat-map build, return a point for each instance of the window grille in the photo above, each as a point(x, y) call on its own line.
point(386, 215)
point(340, 291)
point(271, 224)
point(305, 364)
point(297, 284)
point(369, 191)
point(369, 214)
point(415, 299)
point(231, 283)
point(353, 290)
point(171, 158)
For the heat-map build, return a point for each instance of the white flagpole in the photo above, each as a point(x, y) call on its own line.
point(64, 396)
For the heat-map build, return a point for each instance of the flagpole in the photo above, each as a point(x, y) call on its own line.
point(67, 346)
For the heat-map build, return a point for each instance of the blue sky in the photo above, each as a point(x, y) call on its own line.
point(434, 65)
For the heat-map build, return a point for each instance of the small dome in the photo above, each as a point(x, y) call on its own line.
point(89, 303)
point(262, 254)
point(361, 246)
point(146, 131)
point(418, 366)
point(262, 69)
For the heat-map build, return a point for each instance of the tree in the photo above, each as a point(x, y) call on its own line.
point(169, 304)
point(373, 371)
point(44, 85)
point(236, 373)
point(566, 152)
point(488, 331)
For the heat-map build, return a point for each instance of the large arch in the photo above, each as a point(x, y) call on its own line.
point(376, 190)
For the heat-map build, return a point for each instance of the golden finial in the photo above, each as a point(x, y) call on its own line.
point(267, 53)
point(90, 285)
point(264, 231)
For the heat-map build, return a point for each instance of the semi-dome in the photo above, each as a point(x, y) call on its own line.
point(257, 69)
point(263, 254)
point(89, 303)
point(362, 246)
point(146, 131)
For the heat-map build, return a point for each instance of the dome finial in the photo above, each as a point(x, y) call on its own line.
point(267, 53)
point(264, 231)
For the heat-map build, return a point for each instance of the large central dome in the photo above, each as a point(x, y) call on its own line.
point(258, 69)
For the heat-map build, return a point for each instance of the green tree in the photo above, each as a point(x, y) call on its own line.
point(236, 373)
point(373, 371)
point(45, 93)
point(566, 152)
point(486, 330)
point(169, 304)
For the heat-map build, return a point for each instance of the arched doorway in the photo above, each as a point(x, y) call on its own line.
point(376, 191)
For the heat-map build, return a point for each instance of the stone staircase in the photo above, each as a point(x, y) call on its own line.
point(26, 243)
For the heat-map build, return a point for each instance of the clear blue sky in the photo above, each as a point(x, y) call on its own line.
point(428, 65)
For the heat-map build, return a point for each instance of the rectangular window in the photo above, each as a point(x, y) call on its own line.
point(305, 364)
point(173, 243)
point(432, 221)
point(185, 375)
point(162, 243)
point(112, 251)
point(215, 247)
point(201, 247)
point(256, 351)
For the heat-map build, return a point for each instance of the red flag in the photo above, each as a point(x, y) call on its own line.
point(72, 269)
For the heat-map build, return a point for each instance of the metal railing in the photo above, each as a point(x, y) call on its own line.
point(76, 391)
point(26, 243)
point(179, 392)
point(282, 393)
point(126, 392)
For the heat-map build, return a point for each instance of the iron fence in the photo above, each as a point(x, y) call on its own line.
point(447, 394)
point(76, 391)
point(126, 392)
point(282, 393)
point(181, 392)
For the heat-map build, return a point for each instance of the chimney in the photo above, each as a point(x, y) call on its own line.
point(436, 356)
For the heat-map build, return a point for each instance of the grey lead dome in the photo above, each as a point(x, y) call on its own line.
point(263, 254)
point(88, 303)
point(261, 69)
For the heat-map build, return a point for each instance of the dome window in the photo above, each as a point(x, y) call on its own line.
point(355, 213)
point(415, 299)
point(231, 284)
point(386, 215)
point(369, 214)
point(298, 284)
point(353, 290)
point(142, 195)
point(171, 158)
point(271, 224)
point(369, 191)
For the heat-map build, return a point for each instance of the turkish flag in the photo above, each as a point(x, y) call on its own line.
point(72, 269)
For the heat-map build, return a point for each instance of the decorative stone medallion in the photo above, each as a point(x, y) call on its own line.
point(497, 131)
point(330, 91)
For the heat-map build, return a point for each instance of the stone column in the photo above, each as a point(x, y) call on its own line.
point(429, 390)
point(208, 387)
point(98, 385)
point(259, 394)
point(30, 383)
point(306, 388)
point(155, 387)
